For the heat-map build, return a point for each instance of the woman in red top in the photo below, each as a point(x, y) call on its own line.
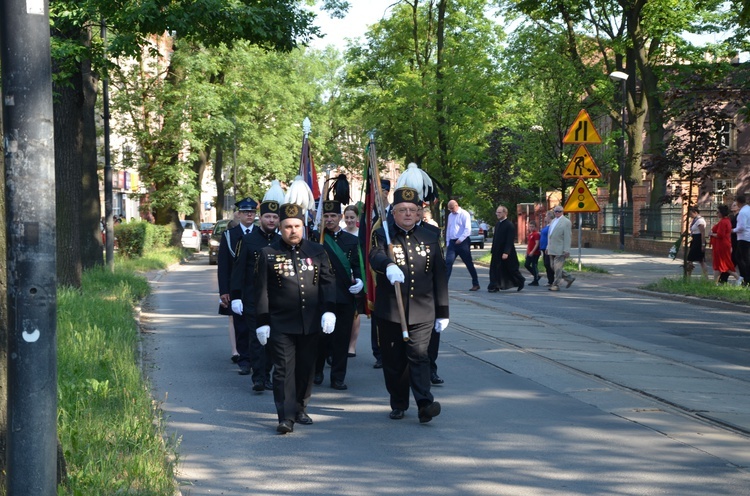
point(721, 242)
point(532, 253)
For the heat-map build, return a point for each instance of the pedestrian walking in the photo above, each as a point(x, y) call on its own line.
point(558, 247)
point(504, 273)
point(458, 241)
point(743, 239)
point(294, 301)
point(414, 261)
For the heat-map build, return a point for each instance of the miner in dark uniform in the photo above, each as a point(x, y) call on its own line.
point(225, 260)
point(434, 348)
point(294, 300)
point(343, 252)
point(417, 263)
point(243, 282)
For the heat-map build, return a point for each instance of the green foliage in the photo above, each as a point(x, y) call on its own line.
point(108, 424)
point(136, 238)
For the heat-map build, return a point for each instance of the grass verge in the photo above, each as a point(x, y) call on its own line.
point(108, 424)
point(702, 289)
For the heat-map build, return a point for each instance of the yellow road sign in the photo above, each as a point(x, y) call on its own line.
point(582, 165)
point(582, 131)
point(581, 199)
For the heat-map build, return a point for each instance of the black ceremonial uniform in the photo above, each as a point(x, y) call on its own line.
point(225, 262)
point(425, 295)
point(346, 303)
point(241, 287)
point(434, 348)
point(294, 287)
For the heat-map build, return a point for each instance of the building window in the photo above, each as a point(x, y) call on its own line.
point(724, 190)
point(725, 135)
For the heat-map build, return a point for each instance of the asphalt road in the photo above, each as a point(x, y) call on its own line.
point(592, 390)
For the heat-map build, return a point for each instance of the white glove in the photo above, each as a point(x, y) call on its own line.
point(440, 325)
point(237, 306)
point(263, 333)
point(394, 274)
point(356, 287)
point(328, 322)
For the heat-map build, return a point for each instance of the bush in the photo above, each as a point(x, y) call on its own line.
point(136, 238)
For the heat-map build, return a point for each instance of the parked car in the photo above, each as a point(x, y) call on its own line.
point(215, 240)
point(477, 235)
point(191, 236)
point(206, 229)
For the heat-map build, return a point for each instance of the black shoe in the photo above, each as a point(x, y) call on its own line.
point(435, 379)
point(520, 287)
point(339, 385)
point(378, 364)
point(318, 380)
point(303, 418)
point(285, 427)
point(493, 290)
point(245, 370)
point(535, 282)
point(235, 358)
point(396, 414)
point(427, 412)
point(351, 355)
point(268, 385)
point(259, 386)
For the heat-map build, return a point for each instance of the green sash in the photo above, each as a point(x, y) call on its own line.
point(339, 254)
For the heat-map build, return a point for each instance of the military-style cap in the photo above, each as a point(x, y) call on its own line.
point(269, 207)
point(385, 184)
point(331, 207)
point(291, 211)
point(246, 204)
point(406, 195)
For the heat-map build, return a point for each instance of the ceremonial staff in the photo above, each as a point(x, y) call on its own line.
point(375, 178)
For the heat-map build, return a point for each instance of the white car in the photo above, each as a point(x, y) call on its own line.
point(191, 236)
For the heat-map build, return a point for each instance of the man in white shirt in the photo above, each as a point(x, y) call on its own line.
point(458, 239)
point(743, 239)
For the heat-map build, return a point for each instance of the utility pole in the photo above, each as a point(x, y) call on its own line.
point(28, 136)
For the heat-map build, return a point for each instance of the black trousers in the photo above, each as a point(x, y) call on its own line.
point(432, 351)
point(406, 364)
point(548, 268)
point(242, 339)
point(336, 344)
point(743, 259)
point(294, 366)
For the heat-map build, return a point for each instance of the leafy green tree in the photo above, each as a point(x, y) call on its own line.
point(435, 111)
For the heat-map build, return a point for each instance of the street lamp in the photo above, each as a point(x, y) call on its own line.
point(622, 77)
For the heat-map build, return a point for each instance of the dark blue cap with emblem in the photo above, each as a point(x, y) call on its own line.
point(246, 204)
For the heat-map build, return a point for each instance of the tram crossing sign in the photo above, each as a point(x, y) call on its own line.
point(582, 131)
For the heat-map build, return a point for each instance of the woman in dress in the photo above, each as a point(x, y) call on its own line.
point(698, 242)
point(721, 242)
point(351, 217)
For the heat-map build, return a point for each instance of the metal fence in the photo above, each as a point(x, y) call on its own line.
point(662, 223)
point(611, 214)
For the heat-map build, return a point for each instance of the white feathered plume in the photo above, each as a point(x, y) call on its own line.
point(300, 193)
point(275, 192)
point(414, 177)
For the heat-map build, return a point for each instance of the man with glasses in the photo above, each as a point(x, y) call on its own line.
point(413, 259)
point(558, 247)
point(225, 261)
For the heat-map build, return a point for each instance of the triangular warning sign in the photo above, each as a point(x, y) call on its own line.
point(580, 199)
point(582, 131)
point(582, 165)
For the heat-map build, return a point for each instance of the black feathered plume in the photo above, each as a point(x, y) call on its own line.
point(340, 189)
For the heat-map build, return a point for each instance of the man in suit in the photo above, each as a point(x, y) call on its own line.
point(225, 261)
point(294, 300)
point(343, 253)
point(416, 262)
point(243, 284)
point(558, 247)
point(504, 271)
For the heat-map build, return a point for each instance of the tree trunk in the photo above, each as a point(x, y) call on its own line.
point(440, 94)
point(199, 167)
point(3, 330)
point(219, 180)
point(68, 124)
point(91, 236)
